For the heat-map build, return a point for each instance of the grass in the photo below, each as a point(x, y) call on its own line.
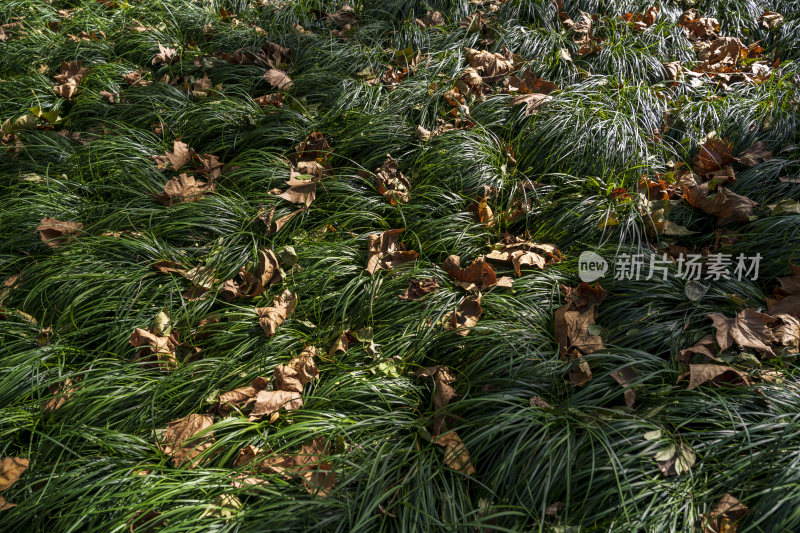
point(596, 135)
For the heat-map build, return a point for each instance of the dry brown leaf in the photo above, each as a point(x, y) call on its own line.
point(186, 438)
point(297, 372)
point(533, 102)
point(626, 376)
point(463, 319)
point(278, 79)
point(786, 297)
point(456, 455)
point(270, 318)
point(642, 21)
point(155, 347)
point(479, 273)
point(300, 191)
point(165, 55)
point(714, 154)
point(443, 378)
point(716, 374)
point(529, 83)
point(491, 66)
point(697, 27)
point(704, 346)
point(727, 206)
point(241, 396)
point(583, 29)
point(434, 18)
point(522, 252)
point(749, 329)
point(572, 321)
point(69, 78)
point(391, 183)
point(537, 401)
point(267, 274)
point(184, 188)
point(274, 226)
point(63, 392)
point(384, 252)
point(770, 20)
point(11, 468)
point(54, 232)
point(417, 288)
point(721, 54)
point(269, 402)
point(724, 517)
point(756, 154)
point(210, 166)
point(181, 155)
point(270, 100)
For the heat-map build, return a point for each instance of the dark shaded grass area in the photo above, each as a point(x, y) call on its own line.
point(596, 136)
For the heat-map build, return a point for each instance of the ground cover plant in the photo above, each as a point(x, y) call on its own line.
point(305, 266)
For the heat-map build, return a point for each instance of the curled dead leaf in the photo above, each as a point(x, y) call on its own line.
point(465, 317)
point(456, 455)
point(155, 347)
point(522, 252)
point(417, 288)
point(187, 438)
point(391, 183)
point(479, 275)
point(54, 232)
point(385, 252)
point(270, 318)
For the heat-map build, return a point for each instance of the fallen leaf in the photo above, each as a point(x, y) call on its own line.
point(456, 455)
point(533, 102)
point(479, 273)
point(418, 288)
point(443, 378)
point(270, 100)
point(11, 468)
point(724, 517)
point(522, 252)
point(241, 396)
point(704, 346)
point(391, 183)
point(270, 318)
point(626, 376)
point(181, 155)
point(463, 319)
point(300, 191)
point(54, 232)
point(151, 346)
point(269, 402)
point(165, 55)
point(572, 322)
point(713, 155)
point(584, 37)
point(697, 27)
point(186, 438)
point(210, 166)
point(756, 154)
point(384, 252)
point(297, 372)
point(727, 206)
point(675, 460)
point(770, 335)
point(69, 78)
point(267, 273)
point(642, 21)
point(62, 392)
point(715, 374)
point(184, 188)
point(721, 54)
point(434, 18)
point(491, 66)
point(771, 20)
point(278, 79)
